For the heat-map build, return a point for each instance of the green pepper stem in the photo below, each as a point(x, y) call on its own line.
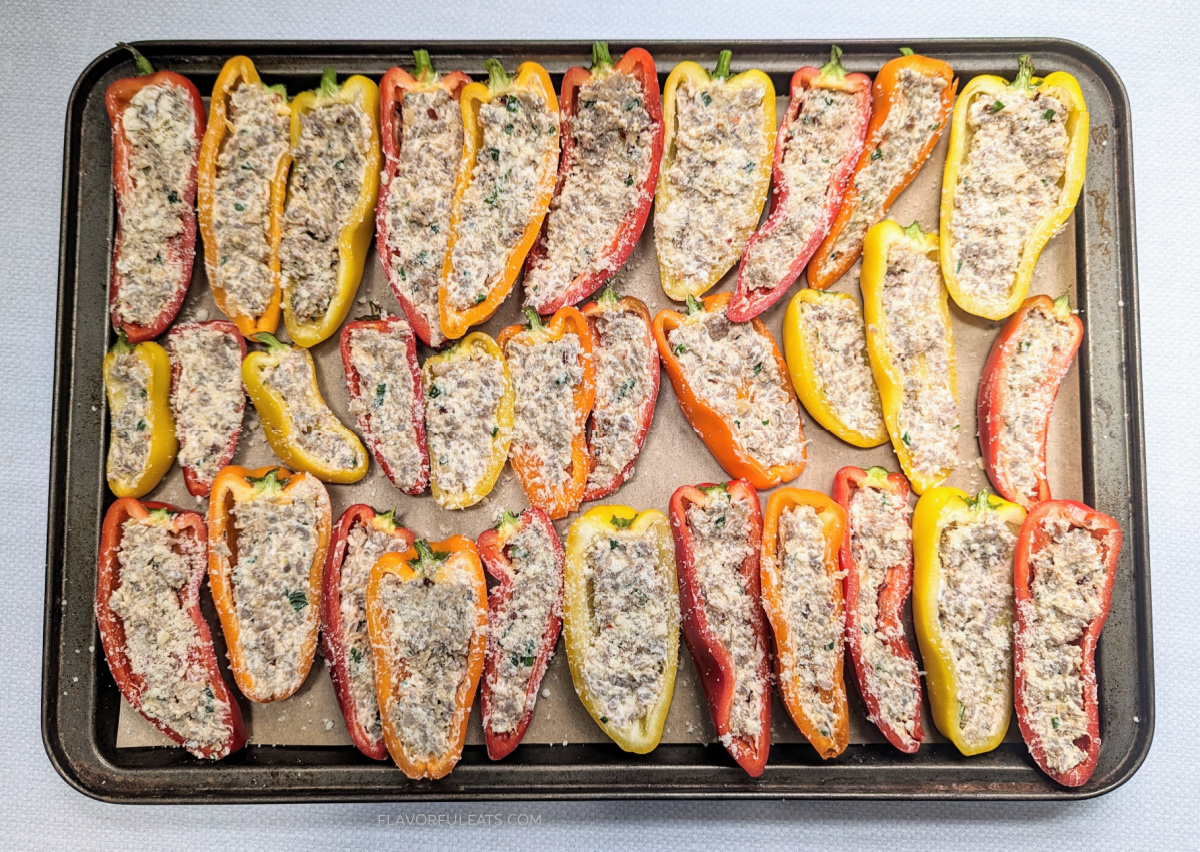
point(423, 68)
point(906, 51)
point(122, 346)
point(601, 58)
point(1063, 302)
point(273, 343)
point(877, 472)
point(280, 89)
point(535, 321)
point(507, 519)
point(694, 305)
point(163, 514)
point(914, 232)
point(328, 87)
point(497, 77)
point(834, 67)
point(427, 557)
point(719, 488)
point(388, 518)
point(608, 296)
point(143, 64)
point(269, 482)
point(721, 72)
point(1024, 78)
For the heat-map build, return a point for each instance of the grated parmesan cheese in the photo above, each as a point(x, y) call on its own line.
point(207, 397)
point(546, 375)
point(837, 345)
point(386, 398)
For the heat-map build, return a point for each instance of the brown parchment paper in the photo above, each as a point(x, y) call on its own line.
point(673, 455)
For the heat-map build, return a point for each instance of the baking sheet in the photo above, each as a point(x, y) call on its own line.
point(673, 455)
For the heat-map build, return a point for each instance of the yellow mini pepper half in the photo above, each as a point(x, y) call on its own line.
point(1064, 88)
point(617, 524)
point(279, 422)
point(355, 238)
point(807, 380)
point(531, 79)
point(146, 370)
point(691, 73)
point(938, 511)
point(888, 377)
point(475, 345)
point(237, 72)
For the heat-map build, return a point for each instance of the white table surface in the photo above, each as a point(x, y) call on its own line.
point(45, 45)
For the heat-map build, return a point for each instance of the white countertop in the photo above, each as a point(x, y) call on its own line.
point(1152, 45)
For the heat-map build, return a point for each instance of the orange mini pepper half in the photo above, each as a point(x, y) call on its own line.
point(296, 602)
point(829, 729)
point(717, 431)
point(531, 80)
point(237, 72)
point(557, 492)
point(433, 572)
point(868, 198)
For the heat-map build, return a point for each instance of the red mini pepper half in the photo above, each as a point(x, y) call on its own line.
point(397, 83)
point(361, 399)
point(341, 658)
point(714, 662)
point(196, 485)
point(639, 65)
point(497, 553)
point(996, 406)
point(1035, 536)
point(889, 621)
point(191, 532)
point(748, 303)
point(599, 314)
point(180, 248)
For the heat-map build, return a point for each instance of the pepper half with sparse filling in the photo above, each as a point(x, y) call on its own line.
point(554, 381)
point(612, 139)
point(420, 116)
point(156, 641)
point(732, 385)
point(503, 190)
point(824, 340)
point(1028, 361)
point(242, 184)
point(621, 621)
point(910, 341)
point(360, 538)
point(718, 533)
point(387, 396)
point(525, 557)
point(303, 432)
point(1018, 152)
point(328, 219)
point(627, 379)
point(963, 551)
point(268, 534)
point(469, 404)
point(427, 619)
point(802, 597)
point(716, 169)
point(911, 102)
point(877, 560)
point(819, 142)
point(207, 398)
point(141, 435)
point(1066, 565)
point(157, 124)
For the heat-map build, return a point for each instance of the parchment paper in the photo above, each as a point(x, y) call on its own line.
point(673, 455)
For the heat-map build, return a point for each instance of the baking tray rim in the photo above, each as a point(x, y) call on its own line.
point(66, 763)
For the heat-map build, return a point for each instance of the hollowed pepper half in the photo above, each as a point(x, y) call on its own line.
point(137, 381)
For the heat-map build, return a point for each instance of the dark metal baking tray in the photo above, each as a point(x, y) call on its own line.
point(80, 701)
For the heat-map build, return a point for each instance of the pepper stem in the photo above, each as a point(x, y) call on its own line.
point(143, 64)
point(280, 89)
point(906, 51)
point(507, 519)
point(1063, 303)
point(877, 472)
point(608, 296)
point(834, 68)
point(328, 87)
point(427, 557)
point(122, 346)
point(1024, 78)
point(269, 482)
point(601, 58)
point(721, 72)
point(388, 519)
point(709, 490)
point(914, 232)
point(273, 343)
point(423, 68)
point(694, 305)
point(163, 514)
point(497, 77)
point(535, 321)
